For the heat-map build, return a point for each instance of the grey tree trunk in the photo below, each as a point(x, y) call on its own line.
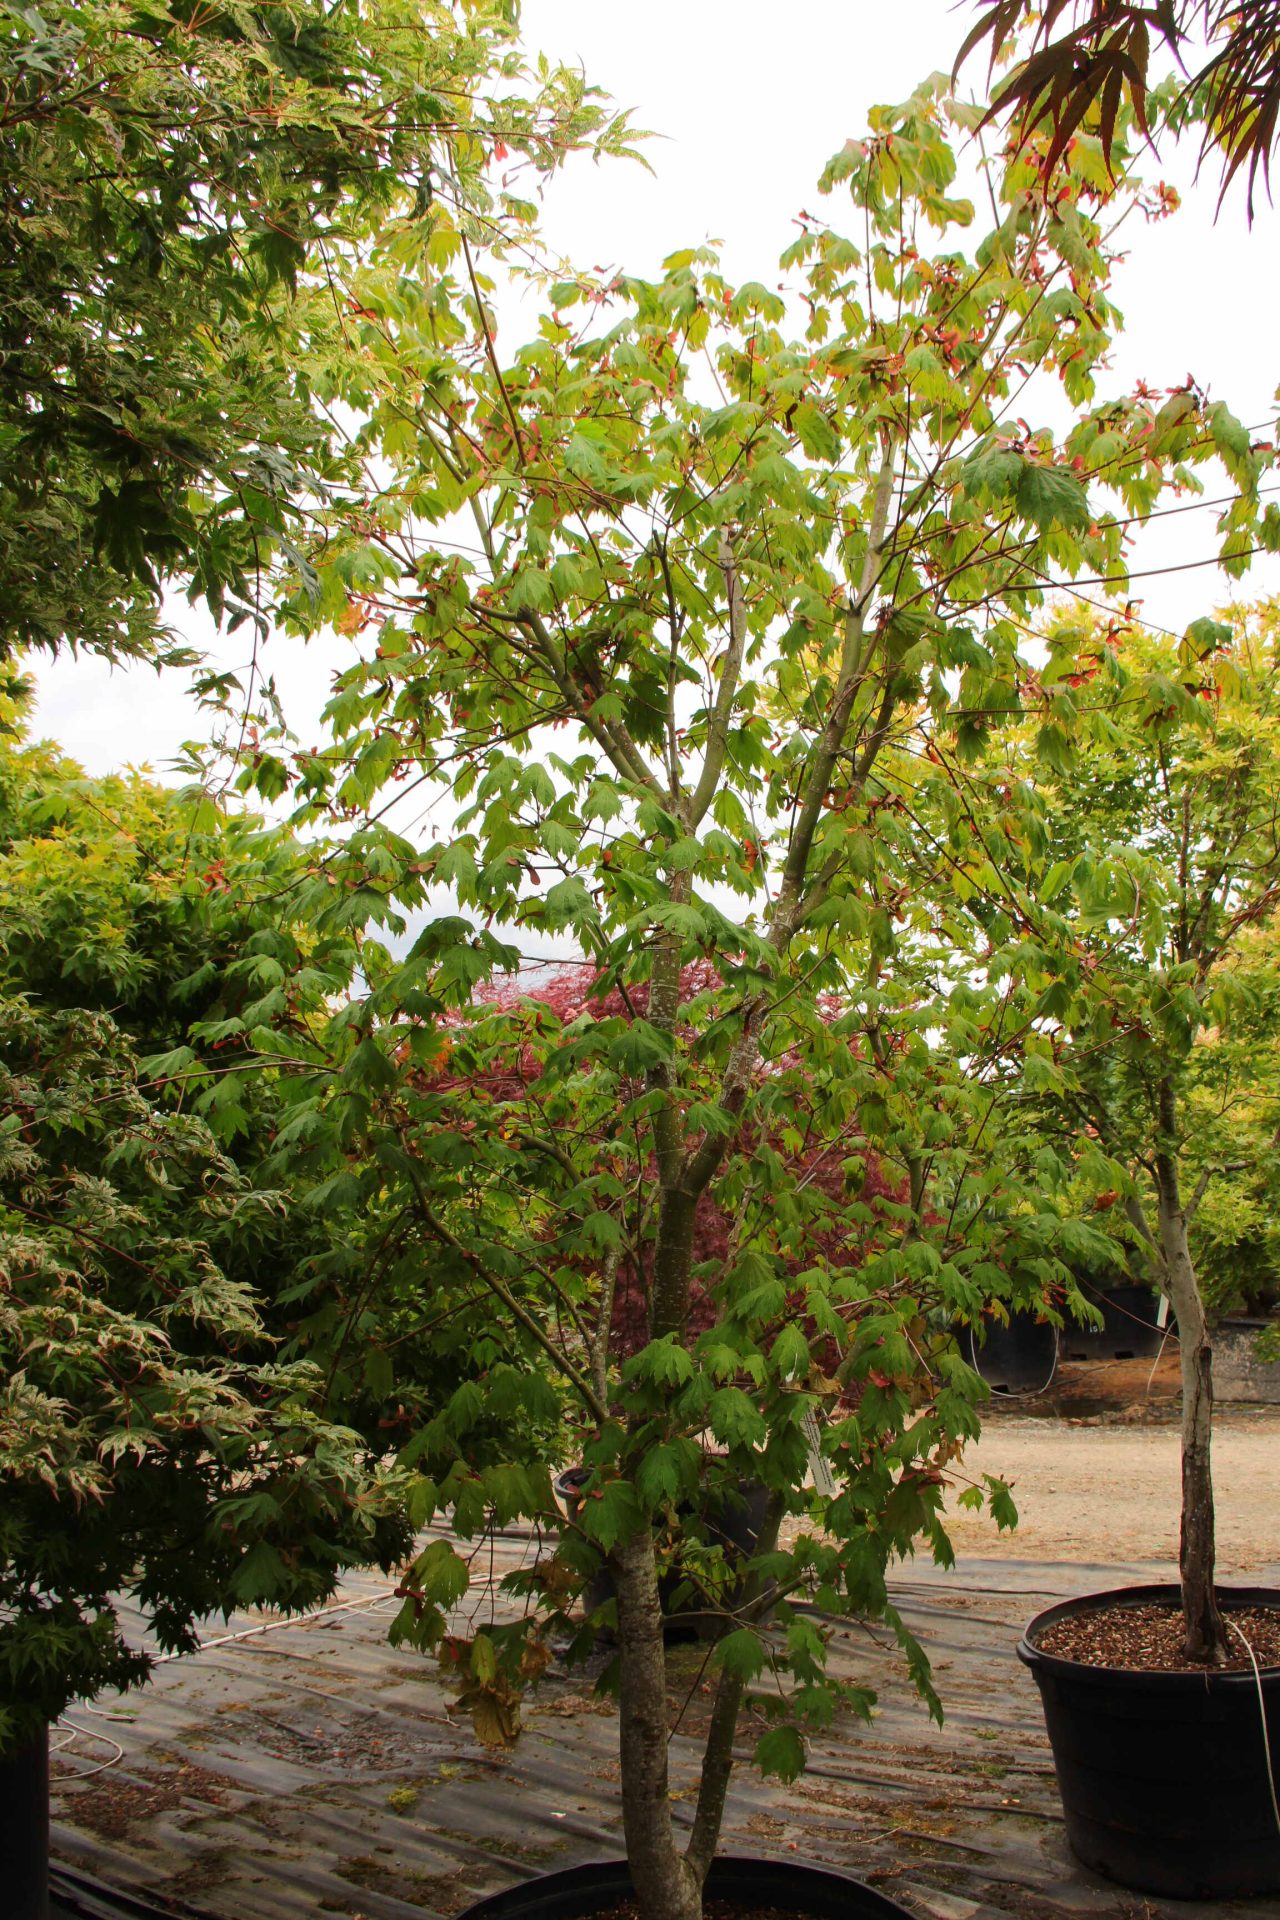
point(666, 1885)
point(1206, 1638)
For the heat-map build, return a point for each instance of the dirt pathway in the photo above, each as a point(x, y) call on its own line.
point(1099, 1492)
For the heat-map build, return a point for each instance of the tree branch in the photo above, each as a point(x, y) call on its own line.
point(700, 1166)
point(1202, 1184)
point(611, 736)
point(717, 1753)
point(826, 749)
point(499, 1288)
point(675, 624)
point(492, 356)
point(718, 736)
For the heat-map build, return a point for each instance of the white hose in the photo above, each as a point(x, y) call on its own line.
point(1262, 1715)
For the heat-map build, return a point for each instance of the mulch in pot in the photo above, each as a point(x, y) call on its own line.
point(1148, 1638)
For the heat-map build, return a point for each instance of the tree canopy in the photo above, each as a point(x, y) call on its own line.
point(1129, 844)
point(155, 1440)
point(676, 614)
point(166, 173)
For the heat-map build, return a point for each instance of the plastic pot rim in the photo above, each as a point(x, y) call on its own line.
point(523, 1896)
point(1147, 1679)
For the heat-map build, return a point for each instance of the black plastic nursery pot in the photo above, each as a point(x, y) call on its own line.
point(24, 1832)
point(1129, 1329)
point(733, 1521)
point(816, 1892)
point(1166, 1779)
point(1021, 1357)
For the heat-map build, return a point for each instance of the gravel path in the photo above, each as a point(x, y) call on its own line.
point(1111, 1492)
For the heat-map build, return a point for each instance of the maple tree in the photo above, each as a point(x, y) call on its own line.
point(1137, 829)
point(1233, 1128)
point(663, 619)
point(154, 1441)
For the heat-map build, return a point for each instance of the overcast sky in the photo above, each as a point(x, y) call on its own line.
point(750, 100)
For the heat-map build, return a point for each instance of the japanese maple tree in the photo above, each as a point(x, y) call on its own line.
point(664, 617)
point(1146, 857)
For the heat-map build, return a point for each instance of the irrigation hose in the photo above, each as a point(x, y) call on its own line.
point(1262, 1715)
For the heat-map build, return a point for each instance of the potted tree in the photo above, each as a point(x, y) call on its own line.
point(150, 1441)
point(154, 1441)
point(1160, 859)
point(718, 593)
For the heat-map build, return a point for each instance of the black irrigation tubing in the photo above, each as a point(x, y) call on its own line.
point(930, 1588)
point(1151, 573)
point(1103, 1298)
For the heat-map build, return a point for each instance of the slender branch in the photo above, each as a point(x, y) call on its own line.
point(718, 736)
point(818, 892)
point(717, 1767)
point(1202, 1184)
point(598, 1343)
point(498, 1287)
point(718, 1756)
point(1135, 1214)
point(1201, 1188)
point(701, 1164)
point(611, 736)
point(826, 749)
point(675, 625)
point(490, 353)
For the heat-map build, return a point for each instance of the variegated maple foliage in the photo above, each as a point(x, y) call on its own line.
point(156, 1442)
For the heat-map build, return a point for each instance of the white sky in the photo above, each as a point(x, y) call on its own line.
point(750, 100)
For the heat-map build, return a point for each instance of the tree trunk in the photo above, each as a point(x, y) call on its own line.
point(672, 1262)
point(666, 1885)
point(717, 1755)
point(1206, 1638)
point(24, 1832)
